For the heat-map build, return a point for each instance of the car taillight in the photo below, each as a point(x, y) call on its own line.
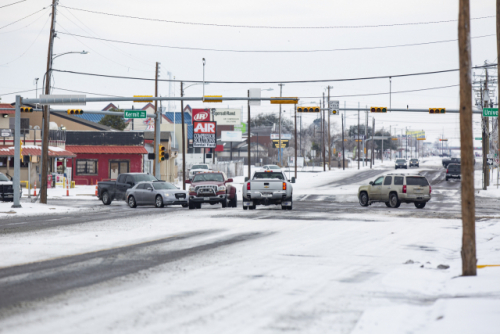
point(404, 189)
point(447, 171)
point(248, 186)
point(430, 189)
point(284, 185)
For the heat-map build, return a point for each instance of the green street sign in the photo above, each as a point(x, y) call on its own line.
point(134, 114)
point(490, 112)
point(478, 138)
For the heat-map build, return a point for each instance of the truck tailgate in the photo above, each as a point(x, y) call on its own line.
point(266, 185)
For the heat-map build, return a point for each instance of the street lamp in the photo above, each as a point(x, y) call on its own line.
point(203, 77)
point(65, 53)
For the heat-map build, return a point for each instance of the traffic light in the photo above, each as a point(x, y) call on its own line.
point(75, 111)
point(21, 152)
point(26, 109)
point(161, 153)
point(378, 109)
point(437, 110)
point(308, 109)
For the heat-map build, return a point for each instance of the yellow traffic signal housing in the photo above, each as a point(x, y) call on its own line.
point(26, 109)
point(437, 110)
point(161, 153)
point(308, 109)
point(75, 111)
point(212, 96)
point(378, 109)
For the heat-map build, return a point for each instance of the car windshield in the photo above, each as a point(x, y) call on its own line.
point(208, 177)
point(454, 167)
point(199, 167)
point(163, 185)
point(416, 181)
point(144, 177)
point(401, 160)
point(268, 175)
point(4, 178)
point(414, 160)
point(272, 167)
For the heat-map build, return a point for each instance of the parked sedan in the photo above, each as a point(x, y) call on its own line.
point(156, 193)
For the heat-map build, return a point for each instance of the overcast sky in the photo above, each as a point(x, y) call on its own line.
point(23, 52)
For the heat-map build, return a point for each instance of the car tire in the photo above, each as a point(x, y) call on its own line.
point(224, 203)
point(185, 205)
point(106, 200)
point(419, 205)
point(394, 200)
point(252, 207)
point(234, 202)
point(245, 208)
point(159, 202)
point(192, 205)
point(291, 205)
point(131, 202)
point(364, 200)
point(387, 204)
point(447, 178)
point(198, 205)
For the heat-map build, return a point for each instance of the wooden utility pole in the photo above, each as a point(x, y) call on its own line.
point(248, 133)
point(295, 124)
point(329, 136)
point(46, 109)
point(322, 112)
point(357, 139)
point(183, 141)
point(156, 164)
point(372, 160)
point(469, 261)
point(498, 84)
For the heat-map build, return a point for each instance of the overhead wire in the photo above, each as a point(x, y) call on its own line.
point(270, 51)
point(22, 91)
point(23, 18)
point(11, 4)
point(267, 27)
point(26, 26)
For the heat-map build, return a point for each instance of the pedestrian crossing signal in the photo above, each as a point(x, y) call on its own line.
point(75, 111)
point(378, 109)
point(308, 109)
point(437, 110)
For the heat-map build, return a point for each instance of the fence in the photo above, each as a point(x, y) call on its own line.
point(231, 168)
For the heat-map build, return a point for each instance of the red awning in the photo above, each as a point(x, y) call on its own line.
point(107, 149)
point(57, 152)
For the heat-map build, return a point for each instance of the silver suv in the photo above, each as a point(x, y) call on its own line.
point(394, 189)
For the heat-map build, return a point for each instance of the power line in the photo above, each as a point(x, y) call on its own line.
point(79, 91)
point(273, 82)
point(22, 91)
point(38, 11)
point(269, 51)
point(267, 27)
point(10, 4)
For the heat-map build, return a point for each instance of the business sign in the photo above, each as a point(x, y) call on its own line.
point(5, 133)
point(333, 107)
point(490, 112)
point(134, 113)
point(231, 136)
point(283, 136)
point(242, 127)
point(415, 134)
point(284, 143)
point(254, 92)
point(201, 115)
point(226, 116)
point(205, 134)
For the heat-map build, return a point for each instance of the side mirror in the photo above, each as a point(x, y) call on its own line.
point(246, 178)
point(293, 179)
point(130, 184)
point(371, 182)
point(229, 180)
point(150, 189)
point(188, 181)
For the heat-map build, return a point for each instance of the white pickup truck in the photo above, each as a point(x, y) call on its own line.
point(266, 188)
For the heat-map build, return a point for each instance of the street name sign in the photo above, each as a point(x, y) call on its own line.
point(478, 138)
point(134, 114)
point(490, 112)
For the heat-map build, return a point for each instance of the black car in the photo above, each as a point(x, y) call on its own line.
point(453, 172)
point(414, 163)
point(109, 191)
point(6, 189)
point(401, 163)
point(446, 162)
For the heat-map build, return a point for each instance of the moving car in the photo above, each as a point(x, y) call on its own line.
point(453, 172)
point(109, 191)
point(266, 188)
point(401, 163)
point(199, 168)
point(446, 161)
point(414, 163)
point(213, 188)
point(6, 188)
point(156, 193)
point(394, 189)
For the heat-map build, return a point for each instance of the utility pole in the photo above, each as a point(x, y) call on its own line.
point(469, 260)
point(406, 137)
point(46, 108)
point(329, 136)
point(157, 139)
point(390, 143)
point(372, 160)
point(249, 131)
point(486, 133)
point(183, 140)
point(357, 140)
point(322, 113)
point(498, 83)
point(366, 135)
point(382, 155)
point(295, 125)
point(279, 138)
point(343, 160)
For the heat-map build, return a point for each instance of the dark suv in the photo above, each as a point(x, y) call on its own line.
point(414, 163)
point(453, 172)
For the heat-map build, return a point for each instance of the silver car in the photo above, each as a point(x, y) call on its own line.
point(156, 193)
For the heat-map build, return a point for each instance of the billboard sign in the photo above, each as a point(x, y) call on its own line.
point(205, 134)
point(231, 136)
point(226, 116)
point(201, 115)
point(415, 134)
point(284, 143)
point(276, 136)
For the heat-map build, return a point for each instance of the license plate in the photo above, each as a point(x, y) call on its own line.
point(206, 198)
point(267, 195)
point(287, 203)
point(419, 197)
point(247, 203)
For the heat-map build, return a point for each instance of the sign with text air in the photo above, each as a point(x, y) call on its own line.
point(205, 134)
point(201, 115)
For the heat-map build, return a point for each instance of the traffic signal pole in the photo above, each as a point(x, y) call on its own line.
point(329, 136)
point(157, 139)
point(17, 153)
point(359, 153)
point(183, 141)
point(498, 117)
point(248, 132)
point(295, 137)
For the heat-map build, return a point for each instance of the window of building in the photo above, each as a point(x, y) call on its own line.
point(86, 167)
point(117, 167)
